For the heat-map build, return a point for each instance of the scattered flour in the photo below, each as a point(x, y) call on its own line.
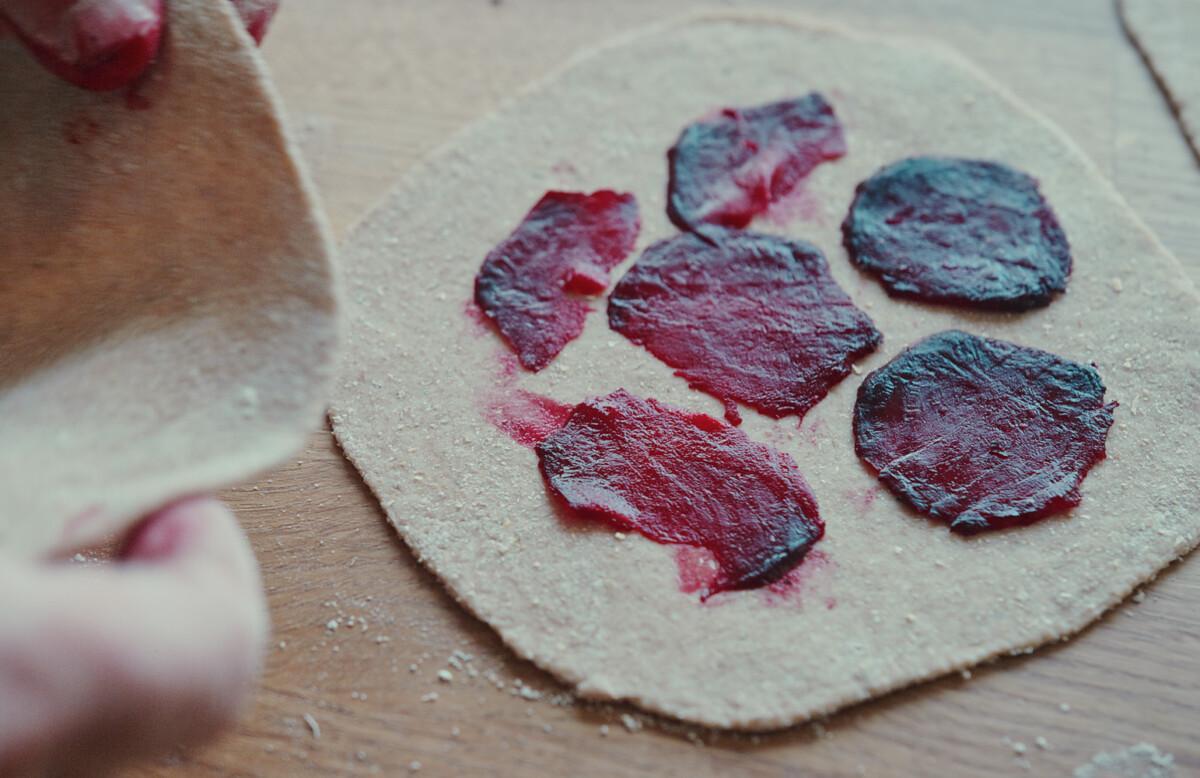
point(1138, 761)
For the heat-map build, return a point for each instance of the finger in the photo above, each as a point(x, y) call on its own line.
point(95, 44)
point(257, 15)
point(101, 663)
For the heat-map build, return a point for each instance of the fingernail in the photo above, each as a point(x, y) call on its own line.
point(168, 532)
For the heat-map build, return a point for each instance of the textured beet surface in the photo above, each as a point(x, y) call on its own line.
point(959, 231)
point(982, 433)
point(729, 167)
point(530, 284)
point(743, 316)
point(684, 478)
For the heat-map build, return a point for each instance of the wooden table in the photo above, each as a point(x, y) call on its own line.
point(371, 86)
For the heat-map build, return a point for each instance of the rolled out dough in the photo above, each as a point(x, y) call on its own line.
point(167, 299)
point(1167, 35)
point(897, 598)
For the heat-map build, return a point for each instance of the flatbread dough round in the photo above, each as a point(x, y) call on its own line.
point(1167, 35)
point(893, 598)
point(167, 303)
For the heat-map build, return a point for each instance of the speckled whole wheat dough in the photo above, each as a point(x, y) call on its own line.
point(1167, 35)
point(167, 300)
point(899, 599)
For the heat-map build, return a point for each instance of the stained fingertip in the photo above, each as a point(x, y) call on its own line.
point(256, 15)
point(98, 46)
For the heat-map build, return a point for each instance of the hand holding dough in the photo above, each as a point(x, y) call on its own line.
point(104, 44)
point(168, 304)
point(103, 662)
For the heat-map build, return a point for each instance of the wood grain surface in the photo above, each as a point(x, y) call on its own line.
point(371, 86)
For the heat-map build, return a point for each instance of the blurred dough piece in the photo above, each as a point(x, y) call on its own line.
point(167, 298)
point(1167, 35)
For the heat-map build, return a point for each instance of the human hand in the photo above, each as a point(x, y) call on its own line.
point(101, 663)
point(104, 44)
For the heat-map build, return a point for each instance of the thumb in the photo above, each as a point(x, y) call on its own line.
point(101, 663)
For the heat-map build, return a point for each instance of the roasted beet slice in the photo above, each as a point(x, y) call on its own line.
point(743, 316)
point(684, 478)
point(729, 167)
point(982, 433)
point(959, 231)
point(564, 247)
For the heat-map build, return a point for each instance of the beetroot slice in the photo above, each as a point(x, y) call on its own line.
point(743, 316)
point(958, 231)
point(729, 167)
point(679, 477)
point(982, 433)
point(564, 247)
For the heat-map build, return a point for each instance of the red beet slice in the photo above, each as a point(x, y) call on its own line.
point(564, 247)
point(982, 433)
point(959, 231)
point(685, 478)
point(729, 167)
point(743, 316)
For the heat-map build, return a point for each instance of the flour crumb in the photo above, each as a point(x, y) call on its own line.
point(1116, 285)
point(414, 766)
point(455, 732)
point(547, 728)
point(856, 369)
point(313, 726)
point(445, 676)
point(1064, 707)
point(603, 730)
point(79, 558)
point(1137, 761)
point(1042, 743)
point(430, 697)
point(1018, 747)
point(331, 625)
point(619, 535)
point(966, 675)
point(630, 723)
point(1139, 596)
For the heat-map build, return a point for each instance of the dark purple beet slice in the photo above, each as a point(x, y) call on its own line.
point(729, 167)
point(982, 433)
point(743, 316)
point(564, 247)
point(686, 478)
point(959, 231)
